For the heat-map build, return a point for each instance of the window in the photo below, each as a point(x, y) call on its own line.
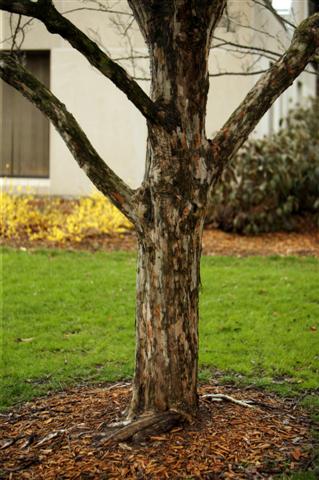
point(24, 134)
point(283, 7)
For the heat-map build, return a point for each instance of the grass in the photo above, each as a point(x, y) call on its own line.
point(260, 317)
point(69, 318)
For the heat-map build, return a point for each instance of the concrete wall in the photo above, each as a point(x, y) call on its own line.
point(115, 128)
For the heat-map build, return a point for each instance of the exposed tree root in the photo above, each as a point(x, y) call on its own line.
point(141, 428)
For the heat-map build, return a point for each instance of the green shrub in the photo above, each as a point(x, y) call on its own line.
point(271, 180)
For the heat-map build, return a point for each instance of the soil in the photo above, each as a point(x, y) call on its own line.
point(61, 437)
point(215, 242)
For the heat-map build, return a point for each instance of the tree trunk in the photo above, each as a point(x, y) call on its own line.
point(167, 315)
point(173, 204)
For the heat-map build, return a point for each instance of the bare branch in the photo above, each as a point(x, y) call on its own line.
point(45, 11)
point(240, 74)
point(241, 46)
point(22, 31)
point(239, 49)
point(14, 32)
point(263, 31)
point(132, 57)
point(97, 9)
point(124, 31)
point(12, 72)
point(270, 86)
point(243, 74)
point(142, 79)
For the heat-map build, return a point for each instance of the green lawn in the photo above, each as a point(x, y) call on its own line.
point(69, 317)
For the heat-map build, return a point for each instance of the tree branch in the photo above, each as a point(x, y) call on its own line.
point(237, 74)
point(120, 194)
point(45, 11)
point(98, 9)
point(270, 86)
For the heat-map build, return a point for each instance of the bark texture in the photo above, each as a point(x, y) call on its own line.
point(167, 311)
point(173, 201)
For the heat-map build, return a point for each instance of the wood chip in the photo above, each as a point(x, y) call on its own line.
point(225, 438)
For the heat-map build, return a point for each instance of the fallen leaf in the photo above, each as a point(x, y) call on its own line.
point(7, 443)
point(49, 437)
point(296, 454)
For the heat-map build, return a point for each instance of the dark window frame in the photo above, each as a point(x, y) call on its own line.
point(44, 136)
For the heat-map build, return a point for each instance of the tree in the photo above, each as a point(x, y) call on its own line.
point(182, 167)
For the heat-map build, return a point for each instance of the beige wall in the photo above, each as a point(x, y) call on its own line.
point(227, 91)
point(304, 86)
point(116, 129)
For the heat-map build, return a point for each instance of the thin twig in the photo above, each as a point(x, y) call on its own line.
point(221, 74)
point(103, 10)
point(244, 47)
point(218, 397)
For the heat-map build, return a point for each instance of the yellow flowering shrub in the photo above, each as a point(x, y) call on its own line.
point(58, 220)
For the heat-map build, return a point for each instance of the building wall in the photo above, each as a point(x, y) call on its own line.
point(113, 125)
point(304, 86)
point(227, 91)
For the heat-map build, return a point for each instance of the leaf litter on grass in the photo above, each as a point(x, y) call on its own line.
point(59, 436)
point(215, 242)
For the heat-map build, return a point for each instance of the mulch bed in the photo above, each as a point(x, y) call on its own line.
point(215, 242)
point(57, 437)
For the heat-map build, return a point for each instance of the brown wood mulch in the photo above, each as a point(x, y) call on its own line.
point(60, 437)
point(215, 242)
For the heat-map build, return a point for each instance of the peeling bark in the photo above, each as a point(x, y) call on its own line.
point(167, 319)
point(174, 199)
